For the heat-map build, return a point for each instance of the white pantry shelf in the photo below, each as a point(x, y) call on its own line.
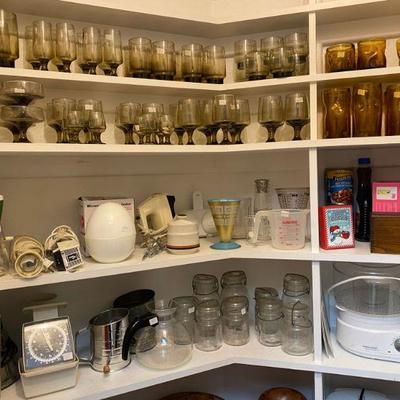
point(93, 385)
point(345, 363)
point(93, 270)
point(358, 142)
point(40, 149)
point(119, 84)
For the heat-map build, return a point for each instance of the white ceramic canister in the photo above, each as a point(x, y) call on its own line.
point(183, 236)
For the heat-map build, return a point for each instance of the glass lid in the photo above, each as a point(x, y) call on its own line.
point(371, 295)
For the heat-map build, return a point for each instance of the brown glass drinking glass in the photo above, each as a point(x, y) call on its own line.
point(392, 98)
point(367, 109)
point(340, 57)
point(337, 112)
point(371, 54)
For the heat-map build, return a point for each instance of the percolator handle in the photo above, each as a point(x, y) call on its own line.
point(134, 326)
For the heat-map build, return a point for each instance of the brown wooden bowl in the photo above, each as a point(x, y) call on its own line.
point(191, 396)
point(281, 393)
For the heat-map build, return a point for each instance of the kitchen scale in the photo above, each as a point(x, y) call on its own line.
point(48, 362)
point(368, 316)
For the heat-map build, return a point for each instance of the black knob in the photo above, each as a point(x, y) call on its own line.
point(397, 344)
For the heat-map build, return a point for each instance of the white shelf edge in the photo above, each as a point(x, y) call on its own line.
point(93, 385)
point(93, 270)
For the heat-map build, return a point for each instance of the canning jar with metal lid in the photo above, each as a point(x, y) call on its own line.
point(233, 283)
point(208, 326)
point(235, 320)
point(297, 332)
point(296, 288)
point(205, 287)
point(269, 320)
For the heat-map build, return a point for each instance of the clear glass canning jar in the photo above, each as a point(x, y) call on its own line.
point(265, 293)
point(205, 287)
point(269, 318)
point(208, 326)
point(185, 308)
point(233, 283)
point(297, 332)
point(296, 288)
point(235, 320)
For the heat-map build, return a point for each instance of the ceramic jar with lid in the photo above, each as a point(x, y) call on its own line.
point(183, 236)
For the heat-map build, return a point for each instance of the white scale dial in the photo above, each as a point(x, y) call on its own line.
point(47, 342)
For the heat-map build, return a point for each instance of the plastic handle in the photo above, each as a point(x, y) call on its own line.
point(197, 200)
point(257, 221)
point(135, 325)
point(83, 360)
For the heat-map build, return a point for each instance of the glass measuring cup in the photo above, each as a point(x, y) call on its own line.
point(288, 228)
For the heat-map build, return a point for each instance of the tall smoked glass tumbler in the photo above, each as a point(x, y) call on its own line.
point(163, 60)
point(192, 62)
point(140, 57)
point(214, 64)
point(112, 49)
point(337, 113)
point(65, 44)
point(367, 109)
point(392, 98)
point(92, 48)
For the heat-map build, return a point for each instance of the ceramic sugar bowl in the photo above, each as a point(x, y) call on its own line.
point(183, 236)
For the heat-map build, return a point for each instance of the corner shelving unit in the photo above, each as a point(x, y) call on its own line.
point(41, 181)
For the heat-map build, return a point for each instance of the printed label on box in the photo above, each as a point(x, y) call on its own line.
point(386, 193)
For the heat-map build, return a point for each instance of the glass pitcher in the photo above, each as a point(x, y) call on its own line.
point(171, 344)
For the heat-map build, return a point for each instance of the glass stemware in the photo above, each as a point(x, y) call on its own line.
point(214, 64)
point(96, 126)
point(56, 60)
point(241, 121)
point(22, 117)
point(73, 123)
point(126, 119)
point(167, 127)
point(43, 43)
point(20, 92)
point(140, 57)
point(224, 114)
point(298, 41)
point(257, 66)
point(242, 49)
point(57, 110)
point(156, 109)
point(65, 44)
point(80, 57)
point(175, 111)
point(207, 125)
point(86, 106)
point(112, 50)
point(270, 114)
point(297, 112)
point(9, 44)
point(192, 62)
point(29, 48)
point(163, 63)
point(5, 49)
point(191, 118)
point(149, 125)
point(282, 62)
point(91, 48)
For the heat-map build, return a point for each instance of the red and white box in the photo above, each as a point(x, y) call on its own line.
point(386, 197)
point(336, 227)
